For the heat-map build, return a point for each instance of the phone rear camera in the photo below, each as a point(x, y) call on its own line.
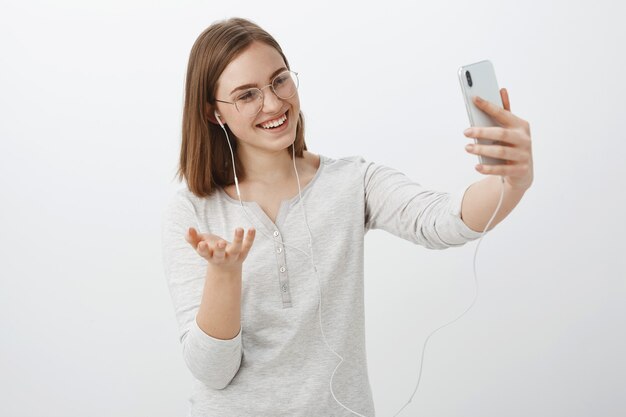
point(469, 78)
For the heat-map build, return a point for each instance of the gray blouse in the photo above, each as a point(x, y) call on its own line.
point(278, 364)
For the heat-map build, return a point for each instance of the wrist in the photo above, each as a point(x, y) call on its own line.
point(223, 273)
point(517, 188)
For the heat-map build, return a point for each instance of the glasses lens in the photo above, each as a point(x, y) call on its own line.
point(249, 102)
point(285, 84)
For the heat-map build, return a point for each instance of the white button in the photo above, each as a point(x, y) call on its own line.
point(279, 250)
point(276, 233)
point(282, 269)
point(284, 287)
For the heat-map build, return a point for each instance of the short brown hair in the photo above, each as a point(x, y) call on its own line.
point(205, 160)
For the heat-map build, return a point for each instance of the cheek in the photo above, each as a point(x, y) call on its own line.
point(239, 130)
point(295, 104)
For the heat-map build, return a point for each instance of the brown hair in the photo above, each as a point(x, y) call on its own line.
point(205, 160)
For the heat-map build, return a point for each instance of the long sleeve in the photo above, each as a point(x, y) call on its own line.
point(212, 361)
point(404, 208)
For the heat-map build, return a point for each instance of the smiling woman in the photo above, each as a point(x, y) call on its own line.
point(218, 68)
point(275, 326)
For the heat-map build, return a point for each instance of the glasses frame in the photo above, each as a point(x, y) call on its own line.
point(263, 95)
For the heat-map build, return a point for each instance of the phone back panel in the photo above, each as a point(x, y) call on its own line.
point(485, 85)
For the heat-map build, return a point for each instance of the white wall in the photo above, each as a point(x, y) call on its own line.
point(91, 100)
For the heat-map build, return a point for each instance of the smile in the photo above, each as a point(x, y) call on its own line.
point(272, 124)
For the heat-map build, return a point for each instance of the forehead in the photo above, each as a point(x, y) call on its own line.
point(254, 65)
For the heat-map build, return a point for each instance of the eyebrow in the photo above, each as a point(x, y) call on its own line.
point(275, 73)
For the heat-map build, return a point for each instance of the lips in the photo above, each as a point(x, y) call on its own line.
point(286, 113)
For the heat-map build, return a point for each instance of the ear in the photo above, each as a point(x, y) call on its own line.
point(210, 116)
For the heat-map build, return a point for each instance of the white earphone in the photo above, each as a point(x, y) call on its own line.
point(217, 116)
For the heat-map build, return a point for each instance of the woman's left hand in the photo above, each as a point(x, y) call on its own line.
point(515, 147)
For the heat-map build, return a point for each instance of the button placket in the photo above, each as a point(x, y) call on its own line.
point(283, 277)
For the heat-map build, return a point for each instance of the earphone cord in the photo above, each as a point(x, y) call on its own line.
point(311, 256)
point(419, 377)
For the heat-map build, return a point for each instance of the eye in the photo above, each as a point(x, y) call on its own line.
point(280, 79)
point(247, 96)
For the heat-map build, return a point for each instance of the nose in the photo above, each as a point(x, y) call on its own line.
point(271, 102)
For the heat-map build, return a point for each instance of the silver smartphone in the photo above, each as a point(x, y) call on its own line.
point(479, 79)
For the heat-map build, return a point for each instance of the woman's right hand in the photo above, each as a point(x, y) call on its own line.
point(219, 252)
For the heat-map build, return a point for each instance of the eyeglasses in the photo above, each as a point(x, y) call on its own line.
point(250, 101)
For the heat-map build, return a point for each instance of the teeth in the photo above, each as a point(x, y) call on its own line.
point(275, 123)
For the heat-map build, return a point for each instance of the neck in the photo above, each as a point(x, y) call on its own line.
point(267, 167)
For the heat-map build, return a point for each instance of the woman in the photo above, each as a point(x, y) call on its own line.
point(265, 321)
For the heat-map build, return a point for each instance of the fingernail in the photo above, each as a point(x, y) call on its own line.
point(467, 131)
point(469, 147)
point(478, 99)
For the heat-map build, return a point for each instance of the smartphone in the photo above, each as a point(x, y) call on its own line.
point(479, 79)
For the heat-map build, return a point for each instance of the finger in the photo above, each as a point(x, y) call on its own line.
point(247, 243)
point(235, 247)
point(204, 250)
point(195, 239)
point(505, 99)
point(219, 251)
point(505, 135)
point(507, 153)
point(500, 115)
point(192, 237)
point(505, 170)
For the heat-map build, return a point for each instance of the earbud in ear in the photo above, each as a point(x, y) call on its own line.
point(217, 116)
